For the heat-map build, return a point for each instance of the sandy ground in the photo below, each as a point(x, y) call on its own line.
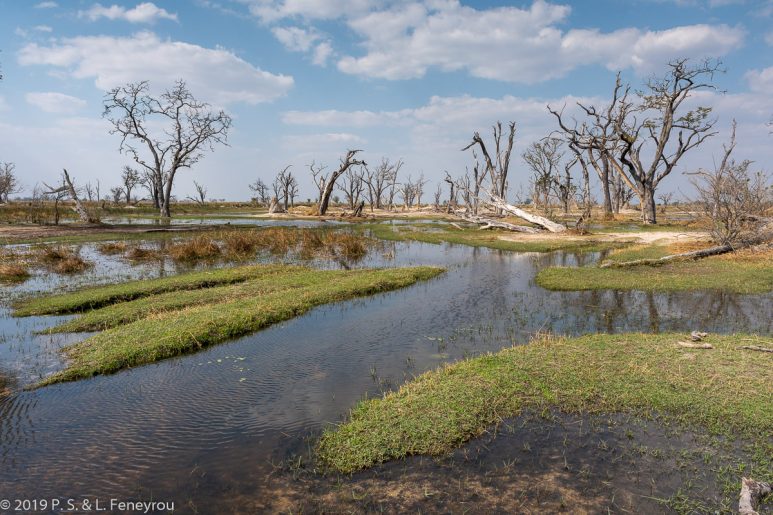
point(646, 237)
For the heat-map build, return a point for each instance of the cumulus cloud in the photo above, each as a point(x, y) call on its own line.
point(760, 81)
point(52, 102)
point(214, 75)
point(516, 45)
point(404, 39)
point(298, 39)
point(146, 12)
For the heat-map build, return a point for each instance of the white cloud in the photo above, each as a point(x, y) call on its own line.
point(214, 75)
point(404, 39)
point(43, 28)
point(146, 12)
point(769, 38)
point(515, 45)
point(52, 102)
point(296, 38)
point(273, 10)
point(46, 5)
point(760, 81)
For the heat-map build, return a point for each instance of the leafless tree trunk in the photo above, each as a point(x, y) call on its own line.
point(201, 193)
point(261, 192)
point(285, 186)
point(497, 168)
point(191, 130)
point(352, 185)
point(543, 158)
point(9, 184)
point(438, 193)
point(346, 162)
point(130, 179)
point(319, 177)
point(69, 188)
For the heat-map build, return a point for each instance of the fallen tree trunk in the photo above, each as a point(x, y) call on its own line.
point(82, 213)
point(488, 223)
point(695, 254)
point(541, 221)
point(757, 348)
point(751, 493)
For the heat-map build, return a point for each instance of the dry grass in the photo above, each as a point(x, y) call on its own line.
point(142, 254)
point(199, 248)
point(13, 272)
point(112, 247)
point(62, 260)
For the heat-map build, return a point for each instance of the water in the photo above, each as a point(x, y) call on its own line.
point(207, 430)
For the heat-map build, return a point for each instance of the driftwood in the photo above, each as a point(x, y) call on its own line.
point(693, 345)
point(751, 493)
point(695, 254)
point(489, 223)
point(540, 221)
point(757, 348)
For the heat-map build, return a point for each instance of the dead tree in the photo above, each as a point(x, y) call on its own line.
point(352, 185)
point(543, 158)
point(347, 161)
point(734, 199)
point(285, 187)
point(9, 184)
point(380, 181)
point(261, 192)
point(319, 177)
point(69, 189)
point(585, 199)
point(596, 137)
point(497, 167)
point(658, 132)
point(407, 191)
point(117, 194)
point(191, 130)
point(148, 181)
point(201, 194)
point(130, 179)
point(438, 193)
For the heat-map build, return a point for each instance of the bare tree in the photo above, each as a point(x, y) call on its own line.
point(733, 198)
point(353, 185)
point(89, 189)
point(117, 193)
point(498, 167)
point(437, 195)
point(68, 188)
point(407, 191)
point(347, 161)
point(201, 193)
point(192, 129)
point(543, 158)
point(647, 131)
point(379, 182)
point(285, 187)
point(319, 177)
point(130, 179)
point(261, 191)
point(9, 183)
point(420, 183)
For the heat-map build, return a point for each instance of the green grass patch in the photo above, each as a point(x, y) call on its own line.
point(222, 317)
point(724, 390)
point(443, 233)
point(279, 278)
point(96, 297)
point(747, 274)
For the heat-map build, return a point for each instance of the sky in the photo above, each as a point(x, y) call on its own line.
point(305, 80)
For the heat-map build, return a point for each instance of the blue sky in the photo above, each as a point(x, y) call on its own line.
point(307, 79)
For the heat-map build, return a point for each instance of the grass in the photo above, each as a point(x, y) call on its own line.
point(13, 273)
point(278, 278)
point(220, 317)
point(96, 297)
point(744, 272)
point(441, 233)
point(724, 390)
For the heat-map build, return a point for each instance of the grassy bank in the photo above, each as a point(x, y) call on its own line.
point(724, 390)
point(221, 315)
point(444, 233)
point(96, 297)
point(743, 272)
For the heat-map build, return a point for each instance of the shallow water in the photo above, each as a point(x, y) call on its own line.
point(206, 430)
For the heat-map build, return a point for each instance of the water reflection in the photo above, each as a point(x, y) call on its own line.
point(206, 427)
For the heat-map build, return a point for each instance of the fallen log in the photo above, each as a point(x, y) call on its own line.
point(684, 256)
point(757, 348)
point(751, 493)
point(541, 221)
point(692, 345)
point(488, 223)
